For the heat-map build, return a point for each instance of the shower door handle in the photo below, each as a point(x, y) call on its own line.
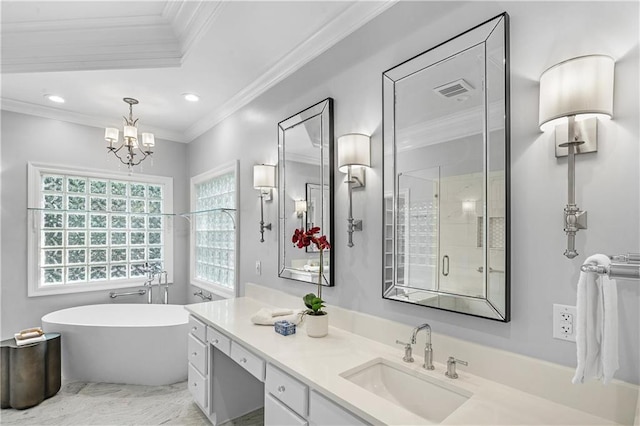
point(445, 265)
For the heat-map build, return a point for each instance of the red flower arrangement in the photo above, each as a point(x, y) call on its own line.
point(302, 239)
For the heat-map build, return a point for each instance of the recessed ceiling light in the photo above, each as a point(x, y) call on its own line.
point(55, 98)
point(191, 97)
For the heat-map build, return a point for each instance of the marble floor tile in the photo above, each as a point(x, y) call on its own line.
point(254, 418)
point(111, 404)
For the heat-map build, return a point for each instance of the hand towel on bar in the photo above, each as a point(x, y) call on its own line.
point(21, 342)
point(266, 316)
point(596, 325)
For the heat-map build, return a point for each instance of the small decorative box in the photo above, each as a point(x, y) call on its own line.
point(285, 327)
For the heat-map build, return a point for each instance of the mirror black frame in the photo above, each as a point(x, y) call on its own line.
point(323, 107)
point(403, 70)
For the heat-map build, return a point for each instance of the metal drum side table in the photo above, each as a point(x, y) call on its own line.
point(30, 373)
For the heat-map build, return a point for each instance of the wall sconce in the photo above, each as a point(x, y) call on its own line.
point(571, 93)
point(354, 150)
point(264, 179)
point(300, 207)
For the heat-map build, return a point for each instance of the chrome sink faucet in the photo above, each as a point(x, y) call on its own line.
point(428, 350)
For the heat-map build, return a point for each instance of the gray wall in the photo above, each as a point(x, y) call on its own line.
point(27, 138)
point(542, 34)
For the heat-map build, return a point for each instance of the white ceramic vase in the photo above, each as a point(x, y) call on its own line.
point(317, 325)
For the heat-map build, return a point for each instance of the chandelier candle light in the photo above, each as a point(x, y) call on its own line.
point(130, 144)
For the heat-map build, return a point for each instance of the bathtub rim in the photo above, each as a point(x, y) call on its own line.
point(51, 317)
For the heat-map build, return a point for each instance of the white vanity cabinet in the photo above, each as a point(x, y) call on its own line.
point(197, 354)
point(228, 379)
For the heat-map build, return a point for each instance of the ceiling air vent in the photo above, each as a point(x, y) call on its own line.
point(453, 89)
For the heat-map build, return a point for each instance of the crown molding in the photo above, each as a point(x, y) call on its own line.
point(78, 118)
point(303, 158)
point(191, 20)
point(340, 27)
point(454, 126)
point(127, 42)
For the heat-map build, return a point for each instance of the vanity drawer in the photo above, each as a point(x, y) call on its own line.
point(276, 414)
point(287, 389)
point(325, 412)
point(197, 354)
point(197, 328)
point(198, 386)
point(219, 340)
point(250, 362)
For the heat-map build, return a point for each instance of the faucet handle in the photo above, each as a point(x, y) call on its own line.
point(451, 367)
point(408, 357)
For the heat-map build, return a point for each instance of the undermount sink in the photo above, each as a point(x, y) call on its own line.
point(428, 398)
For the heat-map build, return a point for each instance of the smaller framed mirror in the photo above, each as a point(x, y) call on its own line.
point(305, 191)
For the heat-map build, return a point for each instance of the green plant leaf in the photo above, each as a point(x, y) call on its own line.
point(308, 300)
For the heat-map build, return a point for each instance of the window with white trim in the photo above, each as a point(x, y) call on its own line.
point(214, 196)
point(96, 230)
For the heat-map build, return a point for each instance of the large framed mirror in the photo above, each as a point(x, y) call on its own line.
point(446, 175)
point(305, 188)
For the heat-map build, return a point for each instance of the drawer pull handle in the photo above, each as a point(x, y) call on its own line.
point(281, 388)
point(194, 328)
point(194, 354)
point(216, 341)
point(195, 385)
point(243, 360)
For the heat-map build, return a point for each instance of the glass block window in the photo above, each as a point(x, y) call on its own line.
point(93, 231)
point(213, 242)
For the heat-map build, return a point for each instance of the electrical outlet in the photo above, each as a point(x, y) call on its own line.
point(563, 318)
point(258, 268)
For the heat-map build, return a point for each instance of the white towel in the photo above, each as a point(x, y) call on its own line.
point(21, 342)
point(596, 325)
point(267, 316)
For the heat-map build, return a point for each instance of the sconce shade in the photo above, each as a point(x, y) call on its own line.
point(264, 176)
point(300, 206)
point(582, 85)
point(354, 149)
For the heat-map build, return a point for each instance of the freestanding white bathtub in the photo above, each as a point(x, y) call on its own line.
point(122, 343)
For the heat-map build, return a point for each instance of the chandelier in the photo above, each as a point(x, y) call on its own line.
point(130, 152)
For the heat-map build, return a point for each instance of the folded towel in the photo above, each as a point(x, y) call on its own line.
point(28, 333)
point(267, 316)
point(596, 325)
point(21, 342)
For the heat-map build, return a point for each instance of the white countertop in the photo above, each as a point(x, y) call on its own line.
point(319, 363)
